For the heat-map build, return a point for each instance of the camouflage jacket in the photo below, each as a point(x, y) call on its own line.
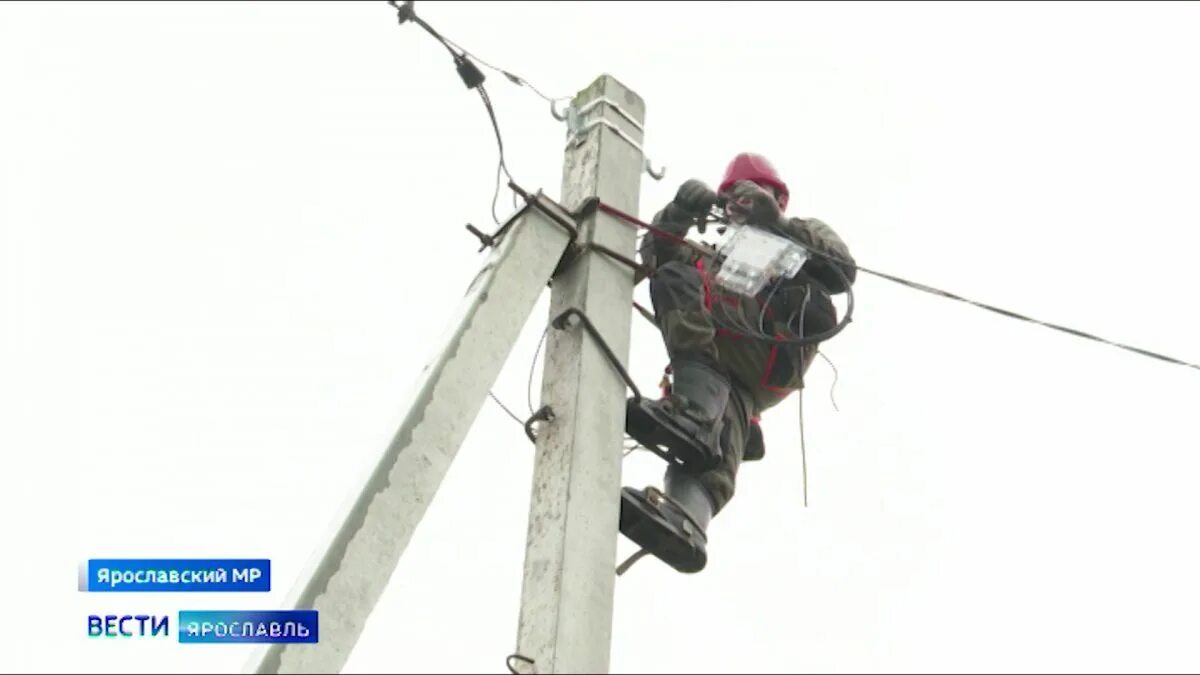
point(768, 370)
point(811, 233)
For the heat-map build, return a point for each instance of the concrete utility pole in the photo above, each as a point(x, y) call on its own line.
point(567, 596)
point(570, 559)
point(353, 563)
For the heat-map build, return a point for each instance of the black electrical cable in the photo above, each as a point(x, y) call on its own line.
point(473, 78)
point(406, 12)
point(808, 339)
point(533, 368)
point(506, 410)
point(502, 166)
point(509, 75)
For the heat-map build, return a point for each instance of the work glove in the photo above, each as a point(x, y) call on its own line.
point(753, 204)
point(691, 205)
point(695, 198)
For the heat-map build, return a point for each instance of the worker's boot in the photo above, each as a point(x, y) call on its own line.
point(672, 526)
point(687, 424)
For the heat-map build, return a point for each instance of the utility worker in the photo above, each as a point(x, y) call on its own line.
point(723, 378)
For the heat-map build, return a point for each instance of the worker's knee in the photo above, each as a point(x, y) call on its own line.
point(721, 481)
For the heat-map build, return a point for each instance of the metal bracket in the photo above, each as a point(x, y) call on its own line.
point(517, 657)
point(563, 321)
point(561, 117)
point(629, 562)
point(604, 100)
point(577, 128)
point(544, 414)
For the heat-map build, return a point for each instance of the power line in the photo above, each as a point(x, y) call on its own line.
point(510, 76)
point(711, 254)
point(1021, 317)
point(473, 78)
point(913, 284)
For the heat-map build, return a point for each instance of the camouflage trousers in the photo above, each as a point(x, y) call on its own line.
point(678, 293)
point(700, 324)
point(721, 482)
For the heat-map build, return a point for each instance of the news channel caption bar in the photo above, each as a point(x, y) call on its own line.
point(175, 575)
point(212, 626)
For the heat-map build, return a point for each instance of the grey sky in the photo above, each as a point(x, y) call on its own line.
point(232, 234)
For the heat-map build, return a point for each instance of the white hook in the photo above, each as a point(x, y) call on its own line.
point(576, 129)
point(561, 117)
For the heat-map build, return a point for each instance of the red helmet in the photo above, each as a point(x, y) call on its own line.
point(755, 168)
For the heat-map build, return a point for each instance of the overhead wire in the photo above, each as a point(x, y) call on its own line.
point(837, 263)
point(510, 76)
point(520, 82)
point(473, 78)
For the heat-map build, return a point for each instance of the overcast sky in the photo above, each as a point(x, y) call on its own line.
point(231, 235)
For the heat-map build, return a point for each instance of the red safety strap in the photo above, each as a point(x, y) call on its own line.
point(708, 294)
point(709, 298)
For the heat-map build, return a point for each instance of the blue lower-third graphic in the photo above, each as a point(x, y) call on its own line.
point(242, 627)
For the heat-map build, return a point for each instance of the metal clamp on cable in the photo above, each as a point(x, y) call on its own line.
point(544, 414)
point(405, 12)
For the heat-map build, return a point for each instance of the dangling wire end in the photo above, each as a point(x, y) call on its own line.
point(803, 447)
point(835, 381)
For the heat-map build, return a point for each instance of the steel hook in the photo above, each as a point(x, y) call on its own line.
point(656, 175)
point(561, 117)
